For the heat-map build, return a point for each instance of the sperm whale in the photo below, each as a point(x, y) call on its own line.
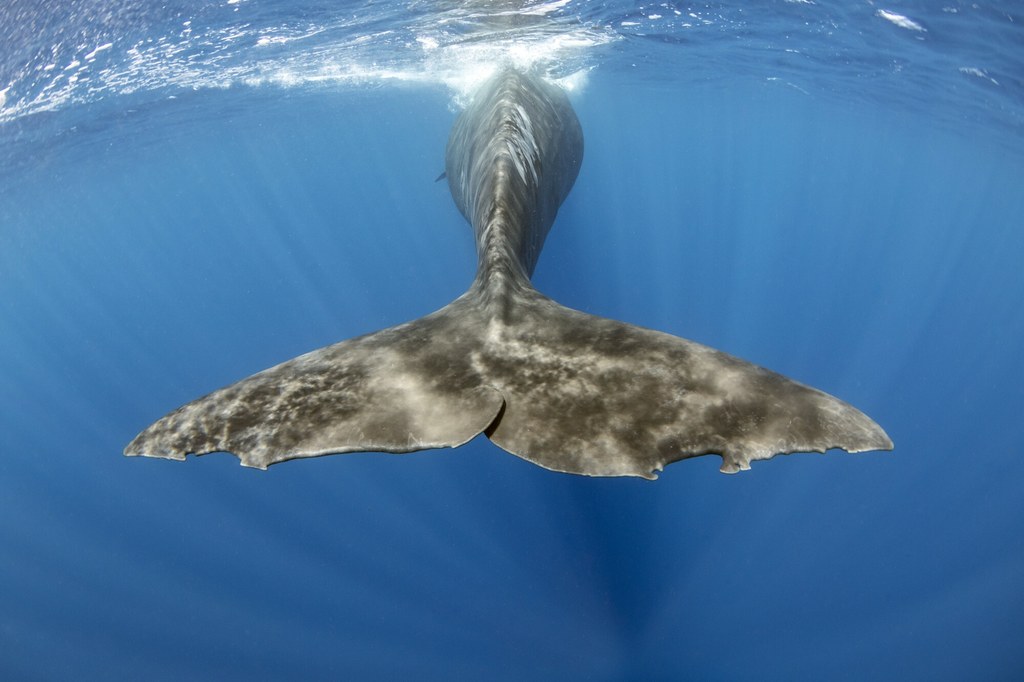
point(568, 391)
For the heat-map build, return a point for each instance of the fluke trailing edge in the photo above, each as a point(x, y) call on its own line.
point(560, 388)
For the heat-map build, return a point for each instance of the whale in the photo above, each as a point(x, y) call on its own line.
point(568, 391)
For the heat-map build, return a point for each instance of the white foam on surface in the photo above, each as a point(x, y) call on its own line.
point(900, 20)
point(101, 48)
point(456, 48)
point(978, 73)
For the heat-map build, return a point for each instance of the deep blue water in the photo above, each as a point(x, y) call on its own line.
point(853, 225)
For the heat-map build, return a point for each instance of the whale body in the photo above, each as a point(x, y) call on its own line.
point(568, 391)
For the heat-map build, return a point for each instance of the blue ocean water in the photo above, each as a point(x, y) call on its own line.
point(194, 191)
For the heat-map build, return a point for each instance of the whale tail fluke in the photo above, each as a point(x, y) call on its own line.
point(568, 391)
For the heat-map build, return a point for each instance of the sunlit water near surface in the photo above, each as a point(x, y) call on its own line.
point(193, 191)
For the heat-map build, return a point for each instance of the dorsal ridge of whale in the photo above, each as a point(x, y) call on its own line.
point(560, 388)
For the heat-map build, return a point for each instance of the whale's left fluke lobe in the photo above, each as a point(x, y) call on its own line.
point(563, 389)
point(409, 387)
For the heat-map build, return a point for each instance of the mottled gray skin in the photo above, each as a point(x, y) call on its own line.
point(560, 388)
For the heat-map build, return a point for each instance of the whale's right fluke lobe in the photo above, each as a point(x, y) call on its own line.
point(594, 396)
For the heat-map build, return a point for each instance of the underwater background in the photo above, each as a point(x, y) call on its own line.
point(194, 191)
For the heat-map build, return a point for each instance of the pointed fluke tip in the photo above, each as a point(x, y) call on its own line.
point(874, 438)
